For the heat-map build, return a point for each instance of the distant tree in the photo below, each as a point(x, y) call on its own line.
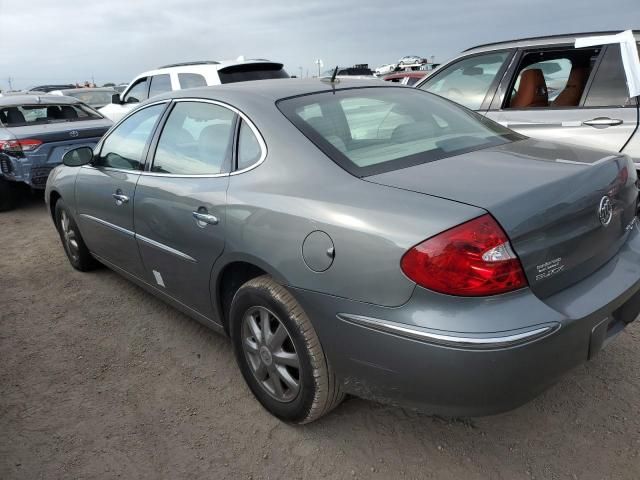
point(109, 84)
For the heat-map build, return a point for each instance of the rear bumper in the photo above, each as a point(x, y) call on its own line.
point(454, 356)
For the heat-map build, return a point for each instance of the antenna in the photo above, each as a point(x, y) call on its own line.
point(335, 72)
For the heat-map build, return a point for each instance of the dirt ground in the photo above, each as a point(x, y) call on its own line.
point(99, 379)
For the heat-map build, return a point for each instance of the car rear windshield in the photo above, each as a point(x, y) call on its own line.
point(99, 98)
point(373, 130)
point(17, 116)
point(251, 71)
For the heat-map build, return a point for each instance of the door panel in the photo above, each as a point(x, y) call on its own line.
point(178, 250)
point(106, 222)
point(571, 125)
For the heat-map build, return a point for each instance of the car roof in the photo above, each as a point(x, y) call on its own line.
point(86, 89)
point(270, 90)
point(194, 67)
point(542, 40)
point(31, 99)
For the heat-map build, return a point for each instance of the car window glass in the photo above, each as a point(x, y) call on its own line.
point(467, 81)
point(196, 140)
point(191, 80)
point(159, 84)
point(44, 114)
point(124, 147)
point(552, 78)
point(368, 131)
point(609, 87)
point(138, 92)
point(249, 150)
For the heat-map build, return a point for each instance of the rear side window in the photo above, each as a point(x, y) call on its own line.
point(40, 114)
point(196, 140)
point(191, 80)
point(374, 130)
point(124, 147)
point(609, 87)
point(251, 71)
point(249, 149)
point(159, 84)
point(467, 81)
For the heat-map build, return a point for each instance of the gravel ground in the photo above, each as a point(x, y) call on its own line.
point(98, 379)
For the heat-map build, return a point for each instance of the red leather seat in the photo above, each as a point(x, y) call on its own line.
point(532, 91)
point(572, 92)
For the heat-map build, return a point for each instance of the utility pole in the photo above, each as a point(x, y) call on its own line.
point(10, 85)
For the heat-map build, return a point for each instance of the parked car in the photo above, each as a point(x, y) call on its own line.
point(373, 240)
point(405, 78)
point(96, 97)
point(35, 132)
point(50, 87)
point(189, 75)
point(411, 60)
point(385, 69)
point(546, 88)
point(121, 88)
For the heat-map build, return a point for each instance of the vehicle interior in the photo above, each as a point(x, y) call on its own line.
point(552, 78)
point(34, 114)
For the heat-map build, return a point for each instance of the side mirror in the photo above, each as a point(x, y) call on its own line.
point(78, 157)
point(115, 98)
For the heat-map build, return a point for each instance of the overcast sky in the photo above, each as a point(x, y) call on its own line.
point(45, 41)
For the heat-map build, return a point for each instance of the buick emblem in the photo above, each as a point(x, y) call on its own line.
point(73, 133)
point(605, 211)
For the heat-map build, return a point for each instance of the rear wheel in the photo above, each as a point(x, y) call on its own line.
point(6, 195)
point(75, 248)
point(279, 353)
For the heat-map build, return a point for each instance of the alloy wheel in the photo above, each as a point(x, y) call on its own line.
point(271, 354)
point(69, 235)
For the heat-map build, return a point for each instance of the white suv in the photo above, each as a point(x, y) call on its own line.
point(189, 75)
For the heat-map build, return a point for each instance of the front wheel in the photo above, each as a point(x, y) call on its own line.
point(279, 354)
point(74, 246)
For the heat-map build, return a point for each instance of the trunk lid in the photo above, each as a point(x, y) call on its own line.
point(62, 131)
point(548, 197)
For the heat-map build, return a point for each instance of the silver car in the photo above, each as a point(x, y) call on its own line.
point(366, 239)
point(545, 88)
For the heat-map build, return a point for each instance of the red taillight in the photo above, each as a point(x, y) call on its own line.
point(472, 259)
point(17, 146)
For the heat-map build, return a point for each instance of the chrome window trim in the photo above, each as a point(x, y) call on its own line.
point(493, 341)
point(129, 233)
point(254, 129)
point(166, 248)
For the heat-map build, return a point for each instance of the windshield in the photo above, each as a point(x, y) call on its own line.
point(375, 130)
point(22, 115)
point(99, 98)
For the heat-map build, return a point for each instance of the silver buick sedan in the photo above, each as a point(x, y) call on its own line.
point(352, 238)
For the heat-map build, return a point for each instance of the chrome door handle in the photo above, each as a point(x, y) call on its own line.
point(204, 219)
point(602, 122)
point(120, 199)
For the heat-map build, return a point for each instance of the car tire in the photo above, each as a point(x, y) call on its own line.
point(270, 304)
point(6, 195)
point(74, 246)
